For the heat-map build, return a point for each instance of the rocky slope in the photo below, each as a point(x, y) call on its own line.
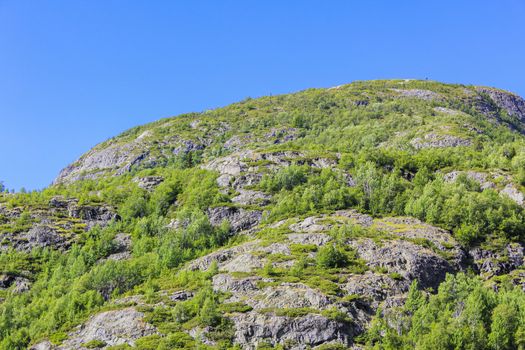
point(287, 221)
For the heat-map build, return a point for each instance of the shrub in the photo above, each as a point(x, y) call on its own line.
point(330, 256)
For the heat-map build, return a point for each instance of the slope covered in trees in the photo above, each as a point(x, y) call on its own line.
point(382, 214)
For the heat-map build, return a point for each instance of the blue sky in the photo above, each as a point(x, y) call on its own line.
point(73, 73)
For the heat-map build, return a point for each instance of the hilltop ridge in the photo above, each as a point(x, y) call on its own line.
point(158, 141)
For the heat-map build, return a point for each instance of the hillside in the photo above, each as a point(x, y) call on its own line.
point(373, 215)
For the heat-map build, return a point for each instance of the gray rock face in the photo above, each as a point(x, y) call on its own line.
point(407, 259)
point(496, 262)
point(148, 183)
point(426, 95)
point(21, 284)
point(236, 142)
point(187, 146)
point(310, 330)
point(246, 180)
point(402, 255)
point(481, 178)
point(512, 104)
point(245, 262)
point(239, 219)
point(44, 236)
point(311, 224)
point(513, 193)
point(227, 283)
point(285, 295)
point(122, 247)
point(56, 226)
point(93, 215)
point(416, 230)
point(319, 239)
point(222, 256)
point(231, 165)
point(44, 345)
point(485, 182)
point(439, 141)
point(375, 287)
point(92, 164)
point(115, 327)
point(39, 236)
point(113, 158)
point(249, 197)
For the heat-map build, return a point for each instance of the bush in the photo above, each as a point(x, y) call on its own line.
point(286, 178)
point(94, 344)
point(330, 256)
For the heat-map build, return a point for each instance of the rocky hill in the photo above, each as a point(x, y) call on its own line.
point(378, 214)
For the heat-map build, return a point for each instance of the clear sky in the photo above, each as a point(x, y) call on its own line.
point(75, 72)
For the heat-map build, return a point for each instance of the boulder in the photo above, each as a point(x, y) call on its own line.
point(513, 193)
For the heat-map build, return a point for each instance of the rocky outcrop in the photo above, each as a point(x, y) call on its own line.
point(476, 176)
point(426, 95)
point(249, 197)
point(222, 256)
point(55, 226)
point(110, 328)
point(374, 288)
point(20, 284)
point(284, 295)
point(148, 183)
point(487, 181)
point(115, 327)
point(512, 104)
point(439, 141)
point(406, 250)
point(116, 157)
point(253, 328)
point(39, 236)
point(416, 231)
point(513, 193)
point(238, 218)
point(404, 259)
point(93, 215)
point(494, 262)
point(122, 247)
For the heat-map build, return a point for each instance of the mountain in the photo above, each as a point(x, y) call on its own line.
point(375, 215)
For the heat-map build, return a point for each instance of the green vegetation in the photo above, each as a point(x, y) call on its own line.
point(464, 314)
point(347, 147)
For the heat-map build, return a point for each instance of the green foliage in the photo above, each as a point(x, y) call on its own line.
point(94, 344)
point(464, 314)
point(330, 256)
point(286, 178)
point(366, 129)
